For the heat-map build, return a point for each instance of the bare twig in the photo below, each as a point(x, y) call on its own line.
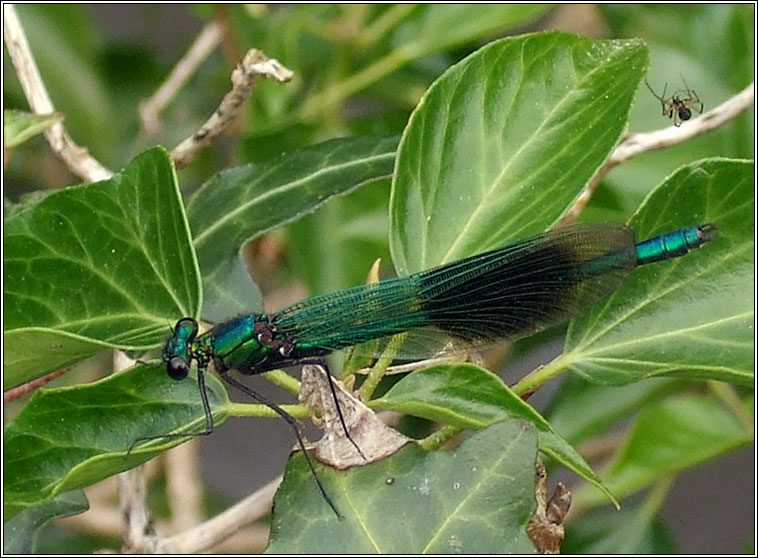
point(102, 521)
point(212, 532)
point(206, 41)
point(635, 144)
point(254, 65)
point(251, 540)
point(77, 159)
point(137, 530)
point(183, 485)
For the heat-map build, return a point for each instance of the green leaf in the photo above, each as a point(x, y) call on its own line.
point(568, 412)
point(72, 437)
point(103, 265)
point(467, 396)
point(20, 532)
point(670, 437)
point(335, 247)
point(419, 34)
point(416, 502)
point(503, 142)
point(19, 126)
point(242, 203)
point(690, 317)
point(631, 531)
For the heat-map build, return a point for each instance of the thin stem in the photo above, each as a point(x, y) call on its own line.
point(434, 441)
point(254, 65)
point(532, 381)
point(224, 525)
point(33, 385)
point(184, 486)
point(259, 410)
point(339, 91)
point(728, 396)
point(378, 370)
point(77, 159)
point(283, 380)
point(137, 527)
point(657, 495)
point(203, 45)
point(417, 365)
point(384, 24)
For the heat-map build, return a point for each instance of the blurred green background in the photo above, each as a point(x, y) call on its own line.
point(361, 69)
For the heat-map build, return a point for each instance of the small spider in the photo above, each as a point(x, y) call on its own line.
point(678, 108)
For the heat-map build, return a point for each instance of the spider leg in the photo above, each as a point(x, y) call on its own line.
point(661, 99)
point(696, 101)
point(693, 98)
point(687, 87)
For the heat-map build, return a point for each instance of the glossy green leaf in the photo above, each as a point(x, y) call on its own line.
point(72, 437)
point(670, 437)
point(416, 502)
point(467, 396)
point(103, 265)
point(503, 142)
point(693, 316)
point(20, 532)
point(242, 203)
point(20, 126)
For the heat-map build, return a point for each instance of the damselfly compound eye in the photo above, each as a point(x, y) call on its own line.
point(177, 368)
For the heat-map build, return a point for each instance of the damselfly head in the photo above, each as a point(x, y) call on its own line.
point(177, 354)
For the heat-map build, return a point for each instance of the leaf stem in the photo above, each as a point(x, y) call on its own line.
point(435, 440)
point(728, 396)
point(384, 24)
point(283, 380)
point(258, 410)
point(357, 82)
point(657, 495)
point(532, 381)
point(378, 370)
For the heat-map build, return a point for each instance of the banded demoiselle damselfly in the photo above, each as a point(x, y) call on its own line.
point(506, 293)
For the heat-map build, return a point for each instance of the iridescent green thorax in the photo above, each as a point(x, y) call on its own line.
point(250, 344)
point(234, 333)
